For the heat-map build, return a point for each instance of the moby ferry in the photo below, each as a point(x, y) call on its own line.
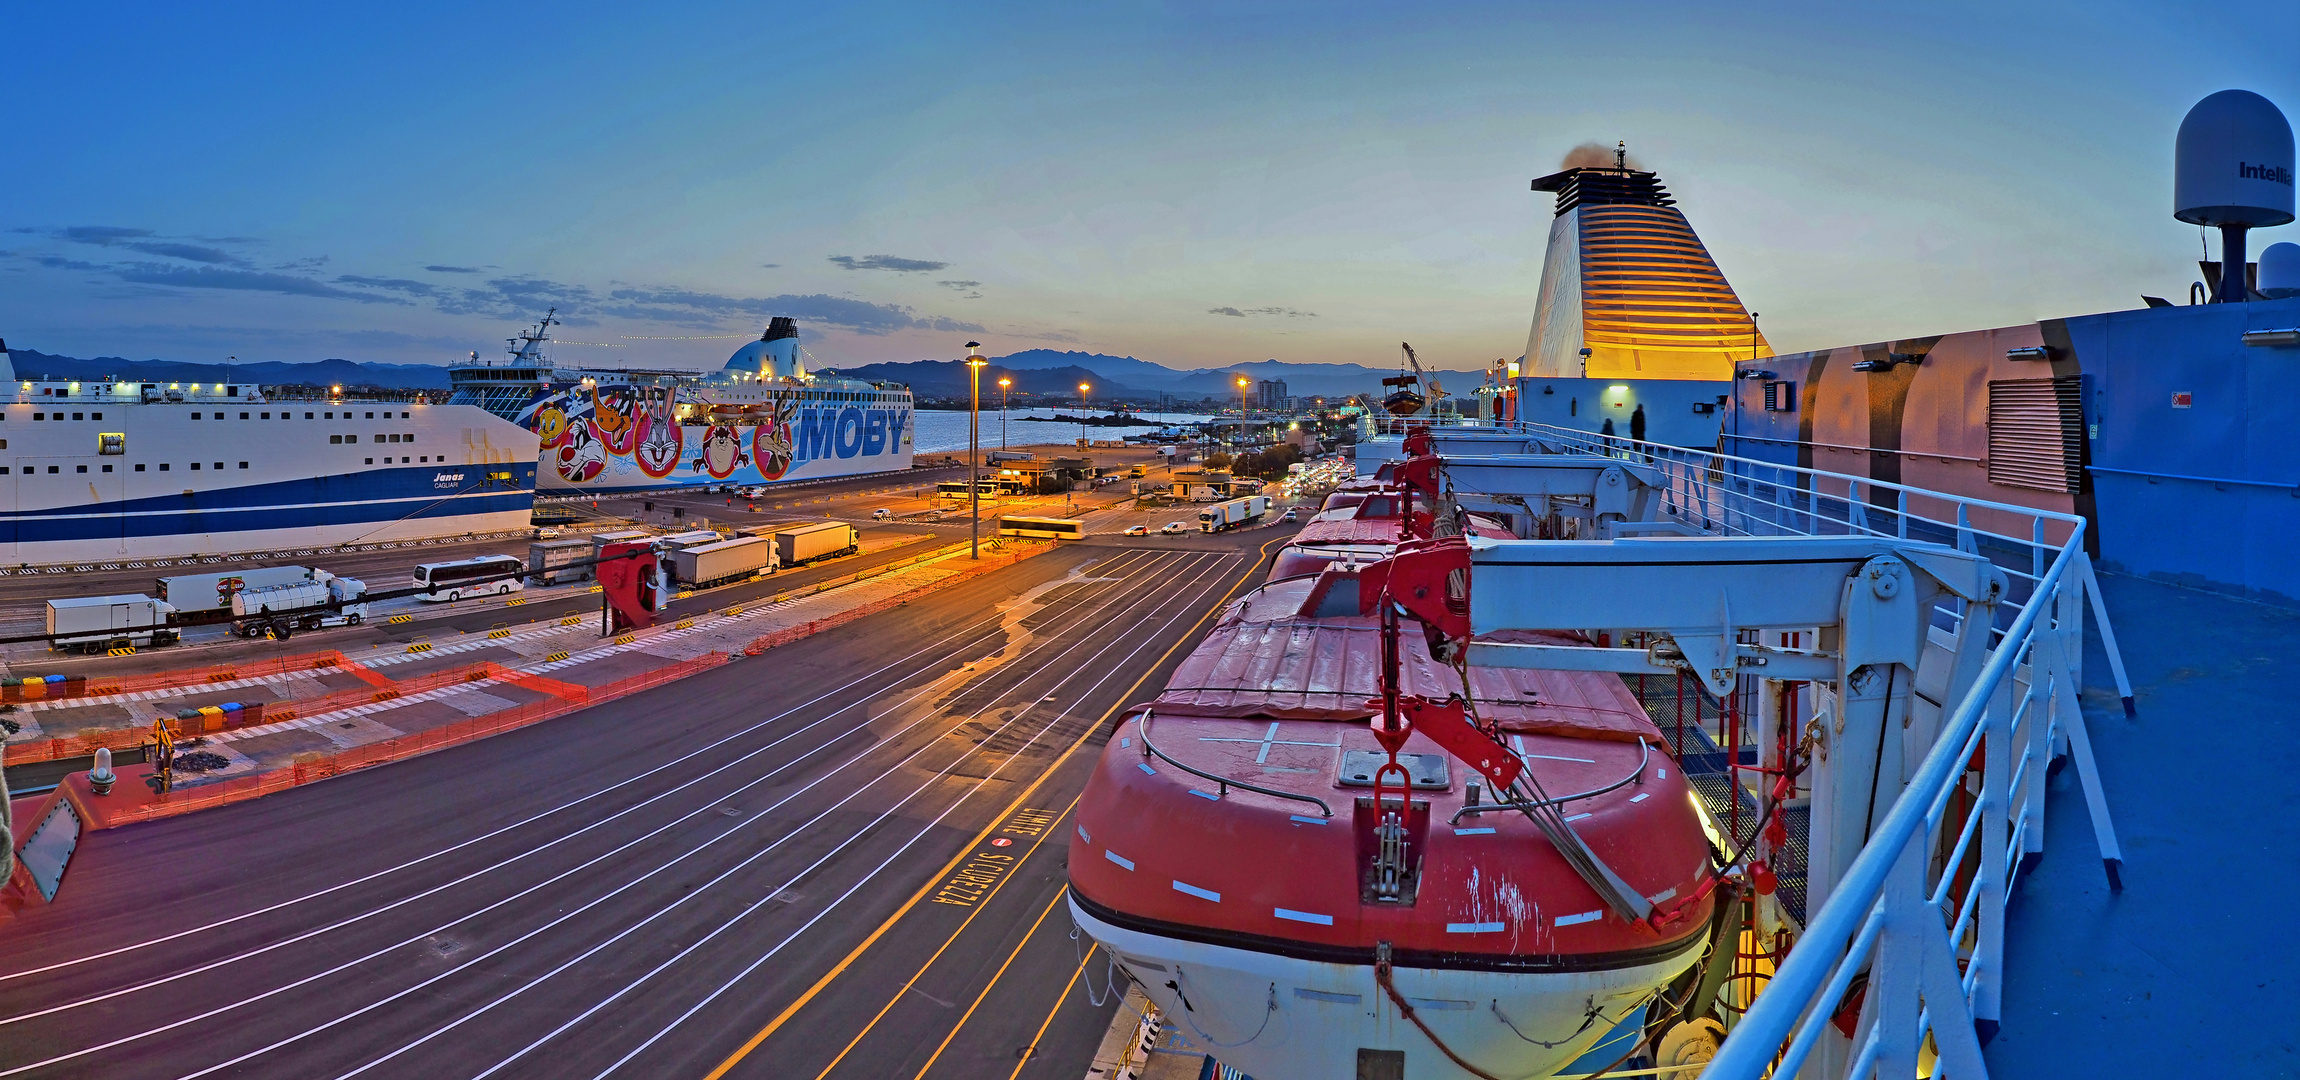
point(762, 419)
point(99, 471)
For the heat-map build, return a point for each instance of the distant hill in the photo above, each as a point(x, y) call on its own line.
point(947, 379)
point(33, 364)
point(1129, 376)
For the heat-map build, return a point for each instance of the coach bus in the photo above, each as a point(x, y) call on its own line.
point(468, 577)
point(1042, 528)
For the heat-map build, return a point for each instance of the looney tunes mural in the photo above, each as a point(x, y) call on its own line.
point(602, 436)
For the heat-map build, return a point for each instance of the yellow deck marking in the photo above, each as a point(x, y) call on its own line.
point(1058, 1000)
point(986, 987)
point(855, 953)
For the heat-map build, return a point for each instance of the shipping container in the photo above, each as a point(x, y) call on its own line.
point(723, 562)
point(95, 623)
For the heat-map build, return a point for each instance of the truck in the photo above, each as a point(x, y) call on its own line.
point(599, 541)
point(280, 610)
point(803, 544)
point(1231, 514)
point(547, 560)
point(692, 538)
point(199, 594)
point(93, 624)
point(1139, 471)
point(997, 456)
point(727, 561)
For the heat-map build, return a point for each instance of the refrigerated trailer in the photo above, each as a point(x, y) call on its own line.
point(194, 594)
point(724, 562)
point(1231, 514)
point(96, 623)
point(806, 543)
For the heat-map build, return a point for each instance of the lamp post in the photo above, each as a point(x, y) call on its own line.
point(1242, 384)
point(1005, 383)
point(1083, 406)
point(974, 366)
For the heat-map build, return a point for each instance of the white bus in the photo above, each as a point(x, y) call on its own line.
point(456, 580)
point(1042, 527)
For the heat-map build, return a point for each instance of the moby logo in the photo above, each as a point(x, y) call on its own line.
point(2274, 174)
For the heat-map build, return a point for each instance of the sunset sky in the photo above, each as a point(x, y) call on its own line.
point(1195, 184)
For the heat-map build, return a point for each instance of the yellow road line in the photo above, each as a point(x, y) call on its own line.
point(1058, 1000)
point(854, 954)
point(986, 987)
point(979, 905)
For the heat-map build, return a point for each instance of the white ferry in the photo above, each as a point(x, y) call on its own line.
point(762, 419)
point(110, 470)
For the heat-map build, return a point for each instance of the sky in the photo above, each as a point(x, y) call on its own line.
point(1196, 184)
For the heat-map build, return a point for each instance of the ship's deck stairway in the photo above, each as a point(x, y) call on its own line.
point(1909, 658)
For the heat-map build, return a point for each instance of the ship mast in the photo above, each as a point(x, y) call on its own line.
point(528, 347)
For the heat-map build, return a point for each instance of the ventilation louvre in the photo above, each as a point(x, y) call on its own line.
point(2036, 433)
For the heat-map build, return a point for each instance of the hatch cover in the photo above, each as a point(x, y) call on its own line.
point(1428, 770)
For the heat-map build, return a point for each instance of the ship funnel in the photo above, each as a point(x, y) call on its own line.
point(7, 366)
point(2233, 169)
point(775, 355)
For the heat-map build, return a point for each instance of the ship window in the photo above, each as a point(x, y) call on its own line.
point(139, 466)
point(107, 468)
point(163, 466)
point(195, 466)
point(243, 464)
point(233, 391)
point(331, 416)
point(403, 416)
point(403, 461)
point(306, 416)
point(52, 469)
point(3, 470)
point(219, 464)
point(39, 416)
point(243, 416)
point(335, 440)
point(409, 437)
point(195, 416)
point(81, 468)
point(371, 461)
point(371, 416)
point(75, 416)
point(95, 416)
point(264, 416)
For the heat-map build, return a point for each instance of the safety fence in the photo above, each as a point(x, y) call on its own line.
point(35, 688)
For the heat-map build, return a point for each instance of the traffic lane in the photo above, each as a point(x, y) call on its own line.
point(787, 856)
point(1031, 695)
point(252, 854)
point(466, 616)
point(923, 979)
point(863, 857)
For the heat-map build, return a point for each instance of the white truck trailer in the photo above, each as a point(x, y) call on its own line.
point(195, 594)
point(547, 560)
point(724, 562)
point(93, 624)
point(803, 544)
point(1231, 514)
point(325, 600)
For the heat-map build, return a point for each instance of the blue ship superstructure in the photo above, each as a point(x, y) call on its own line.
point(762, 419)
point(108, 470)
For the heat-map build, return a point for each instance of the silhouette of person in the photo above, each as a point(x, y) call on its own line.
point(1637, 424)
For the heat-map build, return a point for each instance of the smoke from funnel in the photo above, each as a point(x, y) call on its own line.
point(1592, 155)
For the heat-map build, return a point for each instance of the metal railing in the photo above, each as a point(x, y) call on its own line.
point(1921, 909)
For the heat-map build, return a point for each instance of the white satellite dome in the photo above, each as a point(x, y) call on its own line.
point(2233, 163)
point(2280, 271)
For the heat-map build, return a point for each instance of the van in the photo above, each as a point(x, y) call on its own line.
point(882, 514)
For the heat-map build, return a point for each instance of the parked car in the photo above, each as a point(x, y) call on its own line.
point(1138, 530)
point(882, 514)
point(1293, 513)
point(1172, 527)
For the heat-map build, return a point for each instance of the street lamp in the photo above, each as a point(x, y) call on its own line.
point(1083, 406)
point(1004, 383)
point(1242, 384)
point(974, 366)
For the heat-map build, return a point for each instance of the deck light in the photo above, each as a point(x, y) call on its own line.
point(2272, 337)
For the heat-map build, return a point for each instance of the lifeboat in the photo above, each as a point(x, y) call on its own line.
point(1233, 856)
point(1361, 523)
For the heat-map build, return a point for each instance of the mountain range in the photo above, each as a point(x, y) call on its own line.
point(1034, 371)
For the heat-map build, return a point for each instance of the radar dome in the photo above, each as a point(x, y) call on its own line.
point(2233, 163)
point(2280, 271)
point(775, 355)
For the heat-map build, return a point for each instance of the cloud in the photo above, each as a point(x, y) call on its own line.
point(770, 266)
point(1287, 312)
point(58, 262)
point(887, 262)
point(102, 234)
point(186, 252)
point(209, 277)
point(969, 289)
point(412, 288)
point(688, 307)
point(453, 269)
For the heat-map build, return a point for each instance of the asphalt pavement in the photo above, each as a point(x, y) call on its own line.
point(840, 858)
